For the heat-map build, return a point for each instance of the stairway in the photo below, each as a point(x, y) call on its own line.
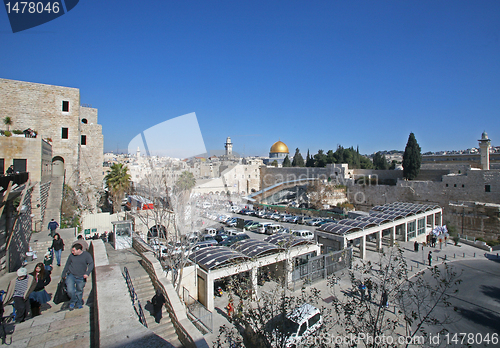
point(53, 209)
point(145, 292)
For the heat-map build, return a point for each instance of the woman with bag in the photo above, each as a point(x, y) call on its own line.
point(39, 296)
point(58, 247)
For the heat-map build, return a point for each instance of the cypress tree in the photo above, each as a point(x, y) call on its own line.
point(309, 160)
point(298, 160)
point(412, 158)
point(286, 162)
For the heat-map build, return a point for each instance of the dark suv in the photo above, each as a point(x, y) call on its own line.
point(233, 239)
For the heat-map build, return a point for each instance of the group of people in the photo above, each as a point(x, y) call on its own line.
point(27, 291)
point(365, 288)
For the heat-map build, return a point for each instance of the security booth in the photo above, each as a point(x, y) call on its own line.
point(122, 234)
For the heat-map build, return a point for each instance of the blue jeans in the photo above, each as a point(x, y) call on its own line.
point(58, 256)
point(74, 287)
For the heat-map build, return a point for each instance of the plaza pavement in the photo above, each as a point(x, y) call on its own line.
point(416, 261)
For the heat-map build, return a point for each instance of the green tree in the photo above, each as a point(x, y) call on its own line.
point(309, 160)
point(379, 161)
point(330, 157)
point(186, 181)
point(320, 159)
point(118, 183)
point(393, 165)
point(298, 160)
point(274, 163)
point(286, 162)
point(412, 158)
point(8, 122)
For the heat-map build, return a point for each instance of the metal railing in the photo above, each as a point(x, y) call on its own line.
point(133, 295)
point(197, 312)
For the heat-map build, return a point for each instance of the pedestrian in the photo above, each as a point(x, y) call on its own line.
point(18, 291)
point(230, 309)
point(48, 258)
point(77, 270)
point(362, 288)
point(416, 246)
point(82, 242)
point(369, 287)
point(158, 301)
point(53, 225)
point(57, 247)
point(434, 239)
point(10, 170)
point(429, 257)
point(385, 300)
point(39, 296)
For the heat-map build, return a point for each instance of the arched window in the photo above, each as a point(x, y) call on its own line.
point(84, 121)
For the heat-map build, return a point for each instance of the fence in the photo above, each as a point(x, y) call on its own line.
point(320, 267)
point(133, 295)
point(197, 312)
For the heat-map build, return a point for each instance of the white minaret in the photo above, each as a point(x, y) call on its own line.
point(484, 145)
point(138, 154)
point(229, 147)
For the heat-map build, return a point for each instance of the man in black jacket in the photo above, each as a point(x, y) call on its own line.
point(77, 270)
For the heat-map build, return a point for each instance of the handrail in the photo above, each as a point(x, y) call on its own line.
point(134, 297)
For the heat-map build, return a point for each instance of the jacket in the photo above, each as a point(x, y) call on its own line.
point(57, 244)
point(12, 285)
point(42, 283)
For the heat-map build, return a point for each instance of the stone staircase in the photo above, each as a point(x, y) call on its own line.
point(145, 292)
point(54, 200)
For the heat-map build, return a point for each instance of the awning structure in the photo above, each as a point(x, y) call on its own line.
point(286, 240)
point(216, 257)
point(254, 248)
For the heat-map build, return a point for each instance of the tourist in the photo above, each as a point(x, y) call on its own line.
point(48, 258)
point(158, 301)
point(53, 225)
point(415, 246)
point(10, 170)
point(369, 287)
point(76, 272)
point(82, 242)
point(39, 296)
point(385, 300)
point(58, 247)
point(230, 309)
point(362, 289)
point(429, 257)
point(18, 291)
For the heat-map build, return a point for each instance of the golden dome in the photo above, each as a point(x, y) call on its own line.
point(279, 147)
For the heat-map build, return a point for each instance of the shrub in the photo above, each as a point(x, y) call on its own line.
point(7, 133)
point(17, 131)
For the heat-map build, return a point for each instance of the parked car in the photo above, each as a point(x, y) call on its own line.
point(273, 228)
point(233, 239)
point(262, 227)
point(221, 237)
point(252, 225)
point(314, 222)
point(232, 232)
point(306, 234)
point(211, 231)
point(299, 324)
point(204, 244)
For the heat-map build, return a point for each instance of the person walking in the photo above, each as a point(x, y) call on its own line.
point(158, 301)
point(429, 257)
point(53, 225)
point(369, 287)
point(385, 300)
point(48, 259)
point(77, 270)
point(18, 291)
point(58, 247)
point(82, 242)
point(362, 288)
point(39, 296)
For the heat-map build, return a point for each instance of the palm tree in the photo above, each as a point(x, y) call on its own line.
point(186, 181)
point(117, 182)
point(8, 122)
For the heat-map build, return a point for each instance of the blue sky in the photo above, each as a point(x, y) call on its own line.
point(313, 74)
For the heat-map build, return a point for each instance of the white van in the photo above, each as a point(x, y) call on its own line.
point(261, 228)
point(306, 234)
point(273, 228)
point(211, 231)
point(301, 323)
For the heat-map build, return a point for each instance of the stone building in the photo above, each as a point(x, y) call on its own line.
point(55, 114)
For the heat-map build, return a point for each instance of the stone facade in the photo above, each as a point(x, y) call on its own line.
point(54, 112)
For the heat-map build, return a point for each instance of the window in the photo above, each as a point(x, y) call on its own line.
point(84, 140)
point(463, 185)
point(2, 166)
point(446, 185)
point(314, 319)
point(19, 165)
point(84, 121)
point(421, 226)
point(487, 188)
point(64, 134)
point(411, 229)
point(302, 329)
point(65, 106)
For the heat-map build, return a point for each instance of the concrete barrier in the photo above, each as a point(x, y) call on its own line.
point(477, 244)
point(187, 333)
point(115, 321)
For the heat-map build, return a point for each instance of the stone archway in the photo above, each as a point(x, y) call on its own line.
point(57, 166)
